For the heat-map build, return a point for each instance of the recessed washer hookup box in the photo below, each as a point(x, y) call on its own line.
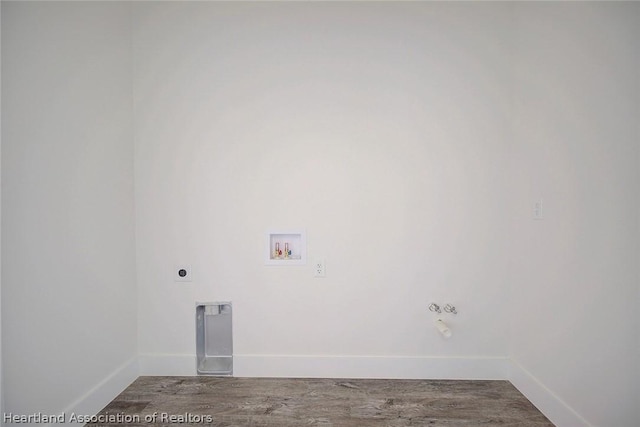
point(214, 338)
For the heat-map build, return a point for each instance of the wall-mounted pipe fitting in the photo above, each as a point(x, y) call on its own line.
point(450, 309)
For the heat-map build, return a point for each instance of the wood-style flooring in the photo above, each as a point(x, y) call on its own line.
point(278, 402)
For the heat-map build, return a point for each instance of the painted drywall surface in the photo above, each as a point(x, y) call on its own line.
point(1, 387)
point(379, 128)
point(575, 273)
point(337, 223)
point(68, 280)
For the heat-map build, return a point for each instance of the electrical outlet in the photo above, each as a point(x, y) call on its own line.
point(182, 273)
point(537, 209)
point(319, 268)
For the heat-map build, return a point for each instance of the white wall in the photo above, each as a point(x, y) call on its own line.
point(1, 381)
point(575, 274)
point(68, 264)
point(410, 140)
point(380, 128)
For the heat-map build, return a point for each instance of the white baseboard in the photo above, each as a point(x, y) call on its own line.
point(167, 365)
point(281, 366)
point(369, 367)
point(104, 392)
point(558, 412)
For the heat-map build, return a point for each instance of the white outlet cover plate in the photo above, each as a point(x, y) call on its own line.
point(537, 210)
point(319, 267)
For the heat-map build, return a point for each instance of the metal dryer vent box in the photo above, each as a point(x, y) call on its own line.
point(214, 339)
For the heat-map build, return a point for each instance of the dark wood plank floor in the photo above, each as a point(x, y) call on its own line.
point(278, 402)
